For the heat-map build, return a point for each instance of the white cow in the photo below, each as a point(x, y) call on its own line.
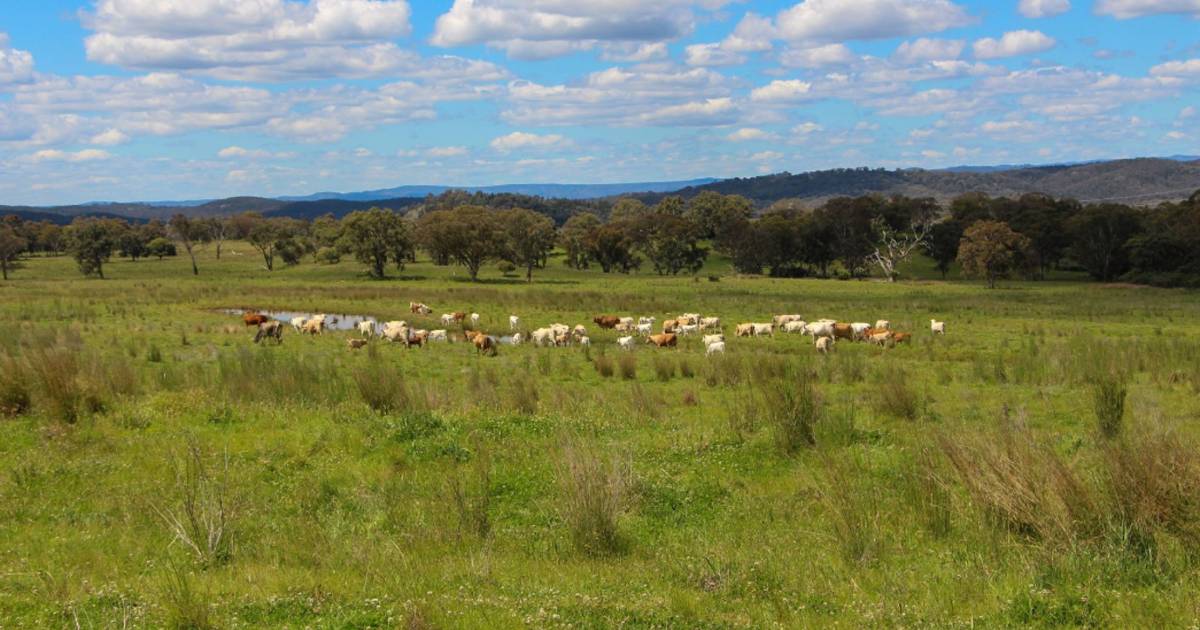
point(711, 339)
point(938, 328)
point(579, 331)
point(514, 322)
point(366, 328)
point(860, 330)
point(585, 341)
point(780, 320)
point(447, 319)
point(883, 324)
point(796, 326)
point(438, 335)
point(819, 329)
point(689, 318)
point(710, 323)
point(761, 330)
point(646, 320)
point(298, 323)
point(516, 339)
point(626, 343)
point(626, 321)
point(474, 320)
point(542, 337)
point(646, 328)
point(714, 348)
point(824, 344)
point(688, 329)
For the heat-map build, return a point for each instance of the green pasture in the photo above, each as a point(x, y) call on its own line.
point(434, 487)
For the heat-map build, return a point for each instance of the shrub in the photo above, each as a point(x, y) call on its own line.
point(15, 397)
point(186, 607)
point(593, 497)
point(1109, 404)
point(628, 366)
point(57, 373)
point(507, 268)
point(200, 519)
point(792, 409)
point(896, 398)
point(523, 393)
point(328, 256)
point(1154, 480)
point(153, 354)
point(471, 495)
point(383, 389)
point(853, 508)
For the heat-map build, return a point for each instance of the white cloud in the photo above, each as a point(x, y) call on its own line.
point(924, 49)
point(782, 90)
point(522, 140)
point(16, 66)
point(752, 34)
point(841, 20)
point(266, 40)
point(86, 155)
point(713, 111)
point(711, 55)
point(1176, 135)
point(1012, 44)
point(558, 27)
point(818, 56)
point(445, 152)
point(1189, 68)
point(806, 128)
point(634, 51)
point(110, 137)
point(1043, 8)
point(766, 156)
point(1125, 9)
point(748, 133)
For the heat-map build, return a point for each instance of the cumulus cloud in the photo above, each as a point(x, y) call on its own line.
point(522, 140)
point(556, 27)
point(748, 133)
point(1126, 9)
point(445, 152)
point(86, 155)
point(818, 56)
point(1012, 44)
point(1188, 68)
point(16, 66)
point(841, 20)
point(782, 90)
point(924, 49)
point(1043, 8)
point(711, 55)
point(110, 137)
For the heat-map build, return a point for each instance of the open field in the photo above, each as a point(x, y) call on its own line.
point(166, 471)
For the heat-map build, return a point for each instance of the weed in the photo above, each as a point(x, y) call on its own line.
point(15, 398)
point(383, 389)
point(470, 494)
point(200, 520)
point(627, 364)
point(187, 608)
point(593, 499)
point(664, 368)
point(523, 393)
point(792, 410)
point(1108, 401)
point(895, 397)
point(604, 365)
point(853, 509)
point(57, 371)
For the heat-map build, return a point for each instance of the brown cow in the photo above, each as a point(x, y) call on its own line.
point(269, 330)
point(901, 337)
point(355, 344)
point(418, 338)
point(665, 340)
point(607, 321)
point(843, 331)
point(254, 319)
point(313, 327)
point(484, 344)
point(459, 316)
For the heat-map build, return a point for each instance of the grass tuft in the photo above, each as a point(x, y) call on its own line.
point(593, 499)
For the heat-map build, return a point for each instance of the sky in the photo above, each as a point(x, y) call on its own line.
point(123, 100)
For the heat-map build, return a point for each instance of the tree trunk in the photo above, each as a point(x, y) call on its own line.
point(378, 268)
point(529, 274)
point(218, 250)
point(4, 268)
point(100, 269)
point(195, 269)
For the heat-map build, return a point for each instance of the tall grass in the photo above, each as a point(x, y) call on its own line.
point(852, 505)
point(894, 396)
point(200, 517)
point(187, 607)
point(1154, 481)
point(792, 409)
point(15, 395)
point(604, 365)
point(664, 368)
point(1108, 401)
point(593, 499)
point(56, 369)
point(627, 364)
point(522, 393)
point(383, 389)
point(470, 494)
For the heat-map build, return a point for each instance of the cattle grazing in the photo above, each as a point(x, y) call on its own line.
point(843, 331)
point(645, 329)
point(743, 330)
point(628, 321)
point(607, 322)
point(710, 323)
point(780, 320)
point(438, 335)
point(579, 331)
point(542, 337)
point(355, 344)
point(901, 337)
point(417, 338)
point(795, 326)
point(366, 328)
point(585, 341)
point(819, 329)
point(879, 337)
point(419, 308)
point(626, 343)
point(254, 319)
point(763, 330)
point(447, 319)
point(824, 345)
point(711, 339)
point(670, 326)
point(458, 316)
point(516, 339)
point(514, 322)
point(562, 339)
point(688, 318)
point(646, 320)
point(474, 319)
point(860, 330)
point(664, 340)
point(883, 324)
point(624, 327)
point(938, 328)
point(395, 331)
point(485, 344)
point(714, 348)
point(298, 323)
point(689, 329)
point(313, 327)
point(269, 330)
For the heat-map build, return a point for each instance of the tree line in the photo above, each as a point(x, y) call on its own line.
point(990, 238)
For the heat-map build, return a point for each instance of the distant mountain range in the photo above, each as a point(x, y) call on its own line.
point(1136, 181)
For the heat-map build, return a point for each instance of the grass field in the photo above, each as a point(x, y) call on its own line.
point(1035, 466)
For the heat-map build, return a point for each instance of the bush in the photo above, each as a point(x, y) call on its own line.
point(1109, 404)
point(15, 398)
point(894, 397)
point(593, 496)
point(506, 268)
point(328, 256)
point(200, 520)
point(471, 495)
point(604, 365)
point(383, 389)
point(57, 372)
point(664, 368)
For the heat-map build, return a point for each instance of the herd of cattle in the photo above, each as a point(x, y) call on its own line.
point(826, 333)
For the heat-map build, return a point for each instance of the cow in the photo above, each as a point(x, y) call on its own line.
point(646, 320)
point(607, 322)
point(366, 328)
point(843, 331)
point(711, 339)
point(780, 320)
point(269, 330)
point(485, 344)
point(313, 327)
point(824, 345)
point(625, 327)
point(665, 340)
point(395, 331)
point(475, 319)
point(419, 309)
point(514, 322)
point(254, 319)
point(743, 330)
point(458, 316)
point(585, 341)
point(645, 329)
point(542, 337)
point(688, 329)
point(710, 323)
point(764, 330)
point(819, 329)
point(298, 322)
point(355, 344)
point(447, 319)
point(417, 338)
point(579, 331)
point(879, 337)
point(860, 330)
point(562, 339)
point(714, 348)
point(438, 335)
point(628, 321)
point(883, 324)
point(901, 337)
point(795, 326)
point(688, 318)
point(626, 343)
point(516, 339)
point(936, 327)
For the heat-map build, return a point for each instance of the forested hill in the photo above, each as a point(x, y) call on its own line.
point(1139, 181)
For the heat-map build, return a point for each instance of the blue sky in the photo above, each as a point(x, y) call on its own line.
point(183, 99)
